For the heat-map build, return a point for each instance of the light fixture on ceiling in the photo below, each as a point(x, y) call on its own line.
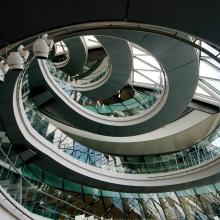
point(16, 60)
point(42, 47)
point(3, 70)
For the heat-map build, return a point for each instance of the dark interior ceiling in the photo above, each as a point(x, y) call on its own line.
point(25, 18)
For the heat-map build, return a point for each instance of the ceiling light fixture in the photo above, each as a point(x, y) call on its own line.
point(42, 47)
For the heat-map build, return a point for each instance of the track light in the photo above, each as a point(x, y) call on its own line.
point(15, 61)
point(42, 47)
point(3, 70)
point(2, 77)
point(4, 66)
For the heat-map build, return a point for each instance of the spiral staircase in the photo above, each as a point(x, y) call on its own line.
point(81, 139)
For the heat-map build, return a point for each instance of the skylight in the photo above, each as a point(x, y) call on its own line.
point(146, 69)
point(91, 41)
point(147, 72)
point(60, 48)
point(209, 75)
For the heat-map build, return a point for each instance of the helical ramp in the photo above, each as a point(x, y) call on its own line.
point(37, 93)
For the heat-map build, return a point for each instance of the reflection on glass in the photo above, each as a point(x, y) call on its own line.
point(201, 152)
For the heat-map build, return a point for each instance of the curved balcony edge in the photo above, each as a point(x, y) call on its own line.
point(84, 173)
point(194, 127)
point(11, 209)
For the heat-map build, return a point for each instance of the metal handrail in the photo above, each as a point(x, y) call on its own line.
point(122, 167)
point(6, 196)
point(40, 191)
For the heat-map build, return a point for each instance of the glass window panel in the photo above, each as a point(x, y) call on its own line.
point(216, 142)
point(151, 60)
point(106, 193)
point(145, 195)
point(104, 109)
point(217, 186)
point(52, 179)
point(117, 107)
point(212, 62)
point(33, 172)
point(91, 191)
point(201, 91)
point(91, 108)
point(209, 48)
point(185, 192)
point(138, 64)
point(192, 207)
point(72, 186)
point(205, 189)
point(91, 41)
point(208, 71)
point(129, 195)
point(214, 83)
point(153, 75)
point(141, 79)
point(137, 51)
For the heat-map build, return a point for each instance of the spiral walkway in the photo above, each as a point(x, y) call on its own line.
point(77, 53)
point(64, 156)
point(179, 77)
